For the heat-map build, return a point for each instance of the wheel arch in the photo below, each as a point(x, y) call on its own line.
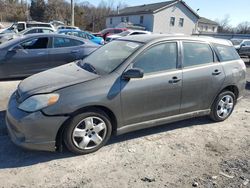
point(107, 111)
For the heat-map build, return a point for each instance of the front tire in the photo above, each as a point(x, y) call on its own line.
point(87, 132)
point(223, 106)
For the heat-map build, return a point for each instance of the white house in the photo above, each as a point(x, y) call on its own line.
point(207, 26)
point(164, 17)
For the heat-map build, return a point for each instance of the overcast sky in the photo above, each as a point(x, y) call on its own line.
point(238, 10)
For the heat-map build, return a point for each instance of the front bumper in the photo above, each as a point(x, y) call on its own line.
point(34, 131)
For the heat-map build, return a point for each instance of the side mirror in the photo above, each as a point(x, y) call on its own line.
point(15, 48)
point(133, 73)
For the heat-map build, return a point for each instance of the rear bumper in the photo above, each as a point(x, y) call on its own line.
point(34, 131)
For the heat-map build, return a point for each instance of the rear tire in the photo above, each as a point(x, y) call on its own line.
point(223, 106)
point(87, 132)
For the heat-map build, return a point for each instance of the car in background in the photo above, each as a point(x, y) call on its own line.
point(20, 26)
point(132, 83)
point(126, 33)
point(242, 46)
point(82, 34)
point(109, 31)
point(67, 27)
point(30, 54)
point(32, 30)
point(1, 26)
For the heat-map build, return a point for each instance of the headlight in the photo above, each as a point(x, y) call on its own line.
point(38, 102)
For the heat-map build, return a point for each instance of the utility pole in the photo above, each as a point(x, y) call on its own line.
point(72, 12)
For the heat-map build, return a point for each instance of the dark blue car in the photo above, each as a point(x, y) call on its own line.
point(82, 34)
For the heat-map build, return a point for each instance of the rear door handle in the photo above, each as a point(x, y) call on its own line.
point(41, 53)
point(174, 80)
point(216, 72)
point(75, 51)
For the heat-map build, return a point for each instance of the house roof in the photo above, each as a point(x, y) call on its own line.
point(150, 8)
point(207, 21)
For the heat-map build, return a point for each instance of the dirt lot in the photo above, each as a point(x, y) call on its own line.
point(190, 153)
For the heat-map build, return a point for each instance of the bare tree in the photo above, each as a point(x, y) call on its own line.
point(243, 28)
point(224, 26)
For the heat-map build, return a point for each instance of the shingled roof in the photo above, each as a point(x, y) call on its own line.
point(207, 21)
point(148, 8)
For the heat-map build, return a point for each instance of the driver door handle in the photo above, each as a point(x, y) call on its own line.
point(216, 72)
point(75, 51)
point(174, 80)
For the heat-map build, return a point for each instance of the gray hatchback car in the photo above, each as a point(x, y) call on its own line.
point(132, 83)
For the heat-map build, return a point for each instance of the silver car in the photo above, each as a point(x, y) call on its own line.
point(131, 83)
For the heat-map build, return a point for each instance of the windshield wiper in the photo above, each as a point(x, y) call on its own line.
point(87, 66)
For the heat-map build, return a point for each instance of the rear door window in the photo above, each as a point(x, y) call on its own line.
point(60, 42)
point(226, 53)
point(196, 54)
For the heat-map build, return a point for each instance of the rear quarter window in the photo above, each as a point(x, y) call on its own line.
point(226, 53)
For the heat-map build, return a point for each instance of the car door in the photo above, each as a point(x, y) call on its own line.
point(28, 57)
point(203, 76)
point(245, 48)
point(158, 93)
point(65, 50)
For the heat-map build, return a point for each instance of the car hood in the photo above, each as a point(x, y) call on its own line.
point(53, 79)
point(237, 46)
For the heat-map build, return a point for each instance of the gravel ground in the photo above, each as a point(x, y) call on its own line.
point(191, 153)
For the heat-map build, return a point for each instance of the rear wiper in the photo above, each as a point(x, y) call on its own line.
point(87, 66)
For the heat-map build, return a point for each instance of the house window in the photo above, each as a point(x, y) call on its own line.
point(206, 28)
point(213, 29)
point(122, 19)
point(141, 19)
point(181, 22)
point(172, 21)
point(127, 19)
point(111, 21)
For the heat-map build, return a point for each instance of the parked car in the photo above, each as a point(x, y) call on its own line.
point(32, 30)
point(6, 30)
point(242, 46)
point(20, 26)
point(1, 26)
point(67, 27)
point(126, 33)
point(30, 54)
point(109, 31)
point(82, 34)
point(131, 83)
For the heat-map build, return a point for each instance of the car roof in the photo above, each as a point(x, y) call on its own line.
point(69, 30)
point(24, 37)
point(159, 37)
point(30, 28)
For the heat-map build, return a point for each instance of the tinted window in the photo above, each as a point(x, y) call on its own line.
point(65, 42)
point(37, 43)
point(158, 58)
point(196, 54)
point(117, 31)
point(31, 31)
point(247, 43)
point(226, 53)
point(46, 31)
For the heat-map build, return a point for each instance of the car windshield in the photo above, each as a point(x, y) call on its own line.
point(236, 41)
point(124, 33)
point(107, 58)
